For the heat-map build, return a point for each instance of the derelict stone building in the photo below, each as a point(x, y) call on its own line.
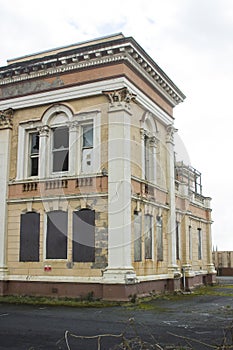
point(92, 199)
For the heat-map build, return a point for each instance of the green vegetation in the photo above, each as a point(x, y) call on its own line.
point(134, 302)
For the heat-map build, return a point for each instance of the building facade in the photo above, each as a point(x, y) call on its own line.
point(92, 197)
point(223, 262)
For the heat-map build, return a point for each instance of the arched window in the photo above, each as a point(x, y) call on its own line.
point(149, 144)
point(29, 236)
point(84, 235)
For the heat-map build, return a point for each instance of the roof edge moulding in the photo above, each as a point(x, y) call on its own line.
point(103, 51)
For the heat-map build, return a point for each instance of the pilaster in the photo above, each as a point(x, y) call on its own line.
point(119, 268)
point(6, 121)
point(171, 227)
point(44, 158)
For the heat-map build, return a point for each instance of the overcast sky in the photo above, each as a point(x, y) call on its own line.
point(191, 40)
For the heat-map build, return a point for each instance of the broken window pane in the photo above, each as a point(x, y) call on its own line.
point(60, 149)
point(34, 153)
point(87, 136)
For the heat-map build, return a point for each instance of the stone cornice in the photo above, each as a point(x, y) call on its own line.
point(121, 50)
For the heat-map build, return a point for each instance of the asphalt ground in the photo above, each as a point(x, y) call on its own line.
point(202, 320)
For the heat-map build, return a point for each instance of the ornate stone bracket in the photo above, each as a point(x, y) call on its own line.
point(120, 97)
point(170, 134)
point(6, 118)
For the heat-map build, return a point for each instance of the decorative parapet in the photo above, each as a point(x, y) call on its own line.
point(6, 118)
point(120, 97)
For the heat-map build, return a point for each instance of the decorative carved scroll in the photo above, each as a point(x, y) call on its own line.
point(6, 118)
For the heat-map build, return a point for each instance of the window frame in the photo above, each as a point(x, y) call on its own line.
point(58, 116)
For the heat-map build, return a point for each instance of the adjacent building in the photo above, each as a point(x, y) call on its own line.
point(92, 199)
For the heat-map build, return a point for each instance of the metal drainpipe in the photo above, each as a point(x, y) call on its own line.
point(184, 281)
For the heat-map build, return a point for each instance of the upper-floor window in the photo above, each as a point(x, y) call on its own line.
point(87, 148)
point(60, 149)
point(149, 143)
point(60, 142)
point(34, 153)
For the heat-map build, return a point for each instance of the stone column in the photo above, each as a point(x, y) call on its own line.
point(210, 266)
point(5, 142)
point(171, 227)
point(119, 268)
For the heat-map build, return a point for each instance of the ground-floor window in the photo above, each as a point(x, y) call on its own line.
point(137, 236)
point(199, 232)
point(56, 239)
point(84, 235)
point(159, 235)
point(29, 236)
point(148, 236)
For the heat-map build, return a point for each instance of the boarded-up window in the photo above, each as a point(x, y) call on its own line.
point(29, 237)
point(56, 242)
point(148, 236)
point(159, 234)
point(137, 236)
point(84, 235)
point(177, 240)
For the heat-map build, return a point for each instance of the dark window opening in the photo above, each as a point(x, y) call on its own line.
point(177, 240)
point(60, 149)
point(199, 231)
point(84, 235)
point(29, 236)
point(34, 153)
point(56, 240)
point(88, 136)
